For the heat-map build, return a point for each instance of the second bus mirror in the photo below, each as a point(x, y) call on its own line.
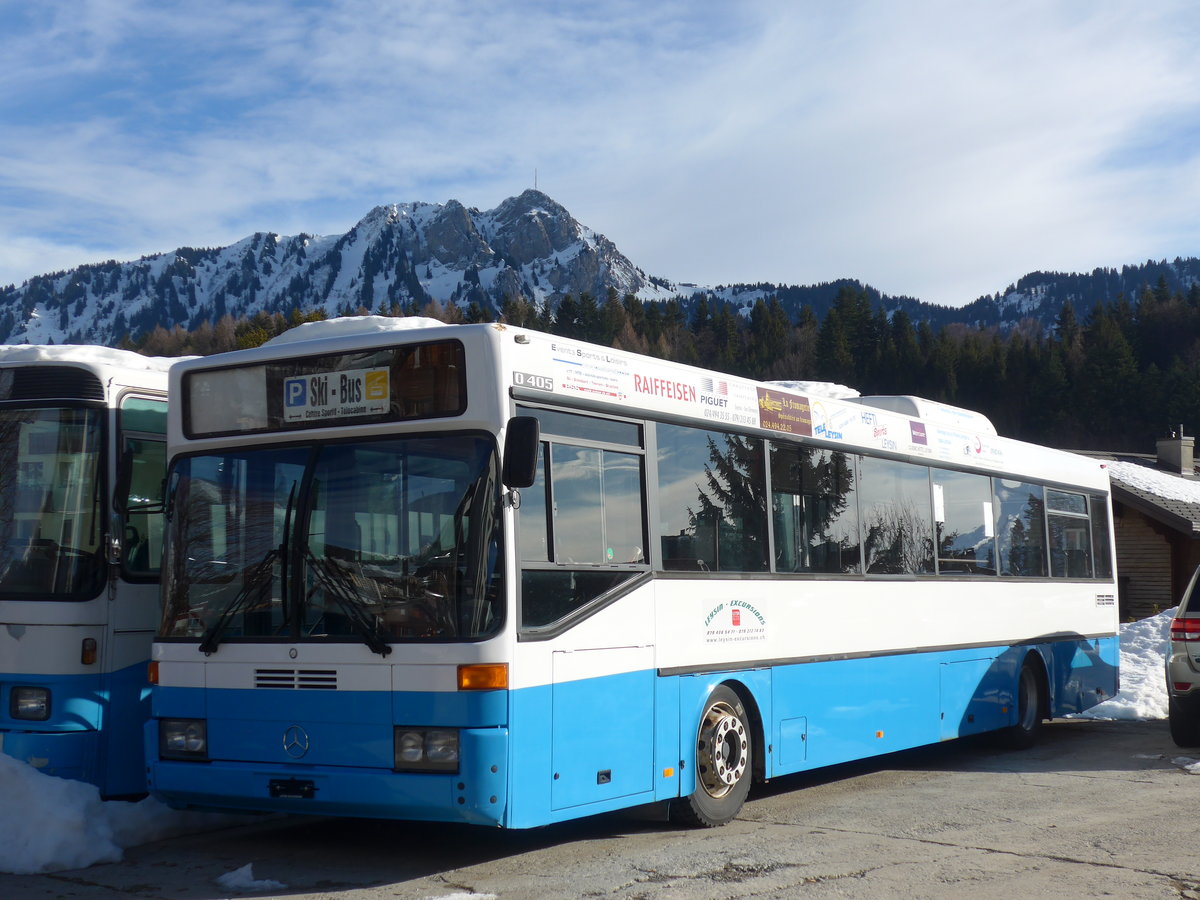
point(520, 451)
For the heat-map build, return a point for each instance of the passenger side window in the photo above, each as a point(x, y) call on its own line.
point(894, 499)
point(1101, 551)
point(597, 505)
point(1070, 543)
point(1020, 528)
point(962, 514)
point(582, 521)
point(712, 500)
point(814, 510)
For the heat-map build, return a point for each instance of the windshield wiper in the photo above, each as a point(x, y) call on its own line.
point(338, 584)
point(255, 583)
point(257, 580)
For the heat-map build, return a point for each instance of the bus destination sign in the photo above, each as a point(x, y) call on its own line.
point(334, 395)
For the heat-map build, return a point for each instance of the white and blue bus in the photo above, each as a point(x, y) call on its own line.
point(82, 465)
point(482, 574)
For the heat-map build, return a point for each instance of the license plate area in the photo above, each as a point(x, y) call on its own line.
point(292, 788)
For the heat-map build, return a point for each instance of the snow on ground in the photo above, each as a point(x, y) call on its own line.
point(242, 881)
point(1143, 681)
point(49, 824)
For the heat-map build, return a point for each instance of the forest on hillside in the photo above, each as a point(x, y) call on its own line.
point(1125, 375)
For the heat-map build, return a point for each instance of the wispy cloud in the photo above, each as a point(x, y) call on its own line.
point(935, 149)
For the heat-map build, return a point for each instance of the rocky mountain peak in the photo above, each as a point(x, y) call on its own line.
point(397, 256)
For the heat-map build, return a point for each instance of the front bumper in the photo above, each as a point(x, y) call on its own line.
point(476, 794)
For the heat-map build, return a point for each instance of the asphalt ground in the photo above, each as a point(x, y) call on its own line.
point(1096, 809)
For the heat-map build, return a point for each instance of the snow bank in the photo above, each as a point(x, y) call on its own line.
point(49, 824)
point(1143, 682)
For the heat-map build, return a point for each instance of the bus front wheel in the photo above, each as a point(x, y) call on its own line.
point(723, 763)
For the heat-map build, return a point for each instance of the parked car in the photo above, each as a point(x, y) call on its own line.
point(1183, 668)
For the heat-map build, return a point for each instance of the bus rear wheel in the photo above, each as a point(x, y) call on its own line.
point(1028, 728)
point(723, 763)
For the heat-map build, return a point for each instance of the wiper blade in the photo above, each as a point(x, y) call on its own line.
point(341, 588)
point(254, 585)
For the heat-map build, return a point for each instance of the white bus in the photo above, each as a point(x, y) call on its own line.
point(82, 463)
point(482, 574)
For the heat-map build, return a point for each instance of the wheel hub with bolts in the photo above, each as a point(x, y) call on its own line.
point(721, 750)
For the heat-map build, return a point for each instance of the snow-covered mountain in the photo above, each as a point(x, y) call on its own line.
point(407, 255)
point(404, 255)
point(1042, 295)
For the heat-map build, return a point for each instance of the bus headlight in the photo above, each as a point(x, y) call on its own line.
point(183, 739)
point(426, 749)
point(30, 703)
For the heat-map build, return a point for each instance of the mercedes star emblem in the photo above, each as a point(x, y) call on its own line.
point(295, 741)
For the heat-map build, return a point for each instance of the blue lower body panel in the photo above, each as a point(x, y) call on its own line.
point(94, 733)
point(578, 747)
point(65, 754)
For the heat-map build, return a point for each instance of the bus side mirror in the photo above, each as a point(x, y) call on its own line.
point(520, 451)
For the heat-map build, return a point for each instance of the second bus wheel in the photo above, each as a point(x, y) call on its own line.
point(724, 763)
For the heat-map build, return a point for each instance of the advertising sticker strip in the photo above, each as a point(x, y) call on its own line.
point(563, 367)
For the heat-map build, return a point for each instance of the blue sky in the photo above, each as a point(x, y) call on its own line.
point(935, 149)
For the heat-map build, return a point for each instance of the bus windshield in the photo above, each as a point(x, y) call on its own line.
point(51, 522)
point(376, 541)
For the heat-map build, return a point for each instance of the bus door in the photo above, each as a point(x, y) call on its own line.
point(585, 603)
point(135, 562)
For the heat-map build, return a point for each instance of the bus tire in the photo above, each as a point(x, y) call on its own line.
point(724, 763)
point(1030, 702)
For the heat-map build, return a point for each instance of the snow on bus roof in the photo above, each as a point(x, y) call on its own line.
point(931, 411)
point(89, 353)
point(345, 326)
point(821, 388)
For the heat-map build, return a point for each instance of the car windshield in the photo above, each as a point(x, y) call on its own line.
point(380, 541)
point(50, 505)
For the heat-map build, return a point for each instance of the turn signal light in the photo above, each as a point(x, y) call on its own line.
point(152, 672)
point(87, 652)
point(483, 677)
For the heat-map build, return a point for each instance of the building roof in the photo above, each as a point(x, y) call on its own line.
point(1167, 497)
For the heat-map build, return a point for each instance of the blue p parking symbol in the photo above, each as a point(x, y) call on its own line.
point(294, 391)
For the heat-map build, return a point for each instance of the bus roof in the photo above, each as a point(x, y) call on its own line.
point(350, 326)
point(95, 356)
point(541, 367)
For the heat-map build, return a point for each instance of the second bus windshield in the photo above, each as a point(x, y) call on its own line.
point(50, 503)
